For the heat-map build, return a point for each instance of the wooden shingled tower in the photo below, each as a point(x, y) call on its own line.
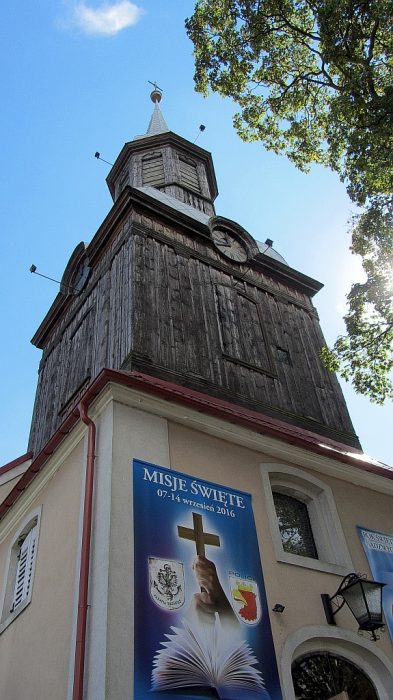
point(168, 288)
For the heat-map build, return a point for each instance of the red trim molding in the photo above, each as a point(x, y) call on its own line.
point(15, 463)
point(203, 403)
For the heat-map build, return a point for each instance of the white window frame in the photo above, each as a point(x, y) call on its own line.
point(333, 552)
point(19, 577)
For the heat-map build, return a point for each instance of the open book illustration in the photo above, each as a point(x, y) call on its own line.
point(204, 656)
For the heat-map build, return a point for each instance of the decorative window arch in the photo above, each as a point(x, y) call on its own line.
point(343, 643)
point(20, 569)
point(330, 676)
point(332, 552)
point(77, 272)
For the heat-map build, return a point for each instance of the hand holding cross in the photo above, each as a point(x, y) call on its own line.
point(212, 598)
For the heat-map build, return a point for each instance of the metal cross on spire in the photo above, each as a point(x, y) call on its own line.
point(156, 94)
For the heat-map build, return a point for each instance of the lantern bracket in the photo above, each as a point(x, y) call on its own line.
point(368, 621)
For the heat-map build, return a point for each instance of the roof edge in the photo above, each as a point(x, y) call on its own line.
point(212, 406)
point(15, 463)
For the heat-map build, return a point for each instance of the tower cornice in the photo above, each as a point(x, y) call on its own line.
point(132, 196)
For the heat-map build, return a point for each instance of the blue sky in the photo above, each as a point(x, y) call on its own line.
point(75, 80)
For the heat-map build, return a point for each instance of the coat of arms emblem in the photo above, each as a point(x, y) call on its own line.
point(166, 583)
point(245, 599)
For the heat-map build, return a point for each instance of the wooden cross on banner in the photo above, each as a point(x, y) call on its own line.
point(197, 535)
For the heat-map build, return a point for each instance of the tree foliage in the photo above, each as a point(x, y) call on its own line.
point(314, 80)
point(365, 353)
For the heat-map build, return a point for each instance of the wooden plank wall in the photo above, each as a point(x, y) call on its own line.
point(96, 332)
point(151, 304)
point(179, 328)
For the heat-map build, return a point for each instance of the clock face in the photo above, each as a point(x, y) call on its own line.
point(229, 245)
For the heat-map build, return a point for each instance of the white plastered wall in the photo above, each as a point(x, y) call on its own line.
point(34, 648)
point(140, 431)
point(124, 433)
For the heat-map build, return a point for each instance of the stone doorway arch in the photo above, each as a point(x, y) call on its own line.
point(339, 642)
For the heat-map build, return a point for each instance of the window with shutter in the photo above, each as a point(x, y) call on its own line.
point(17, 590)
point(24, 568)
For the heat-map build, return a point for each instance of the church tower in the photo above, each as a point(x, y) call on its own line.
point(168, 288)
point(194, 482)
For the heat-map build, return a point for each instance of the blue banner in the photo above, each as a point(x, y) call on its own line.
point(378, 547)
point(202, 626)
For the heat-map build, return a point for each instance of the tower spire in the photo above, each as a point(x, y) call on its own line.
point(157, 124)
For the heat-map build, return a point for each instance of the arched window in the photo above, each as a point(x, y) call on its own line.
point(341, 664)
point(295, 525)
point(304, 521)
point(18, 586)
point(326, 676)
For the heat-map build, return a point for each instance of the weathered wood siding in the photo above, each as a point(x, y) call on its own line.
point(254, 342)
point(96, 332)
point(165, 302)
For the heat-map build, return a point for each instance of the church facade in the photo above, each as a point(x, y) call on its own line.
point(181, 347)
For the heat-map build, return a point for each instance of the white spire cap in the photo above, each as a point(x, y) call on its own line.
point(157, 124)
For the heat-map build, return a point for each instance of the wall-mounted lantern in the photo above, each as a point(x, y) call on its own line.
point(364, 599)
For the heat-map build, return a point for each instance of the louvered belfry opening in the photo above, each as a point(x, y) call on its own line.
point(189, 174)
point(153, 170)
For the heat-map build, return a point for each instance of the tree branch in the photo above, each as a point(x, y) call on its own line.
point(372, 40)
point(298, 30)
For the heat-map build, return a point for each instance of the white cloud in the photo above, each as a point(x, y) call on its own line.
point(108, 19)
